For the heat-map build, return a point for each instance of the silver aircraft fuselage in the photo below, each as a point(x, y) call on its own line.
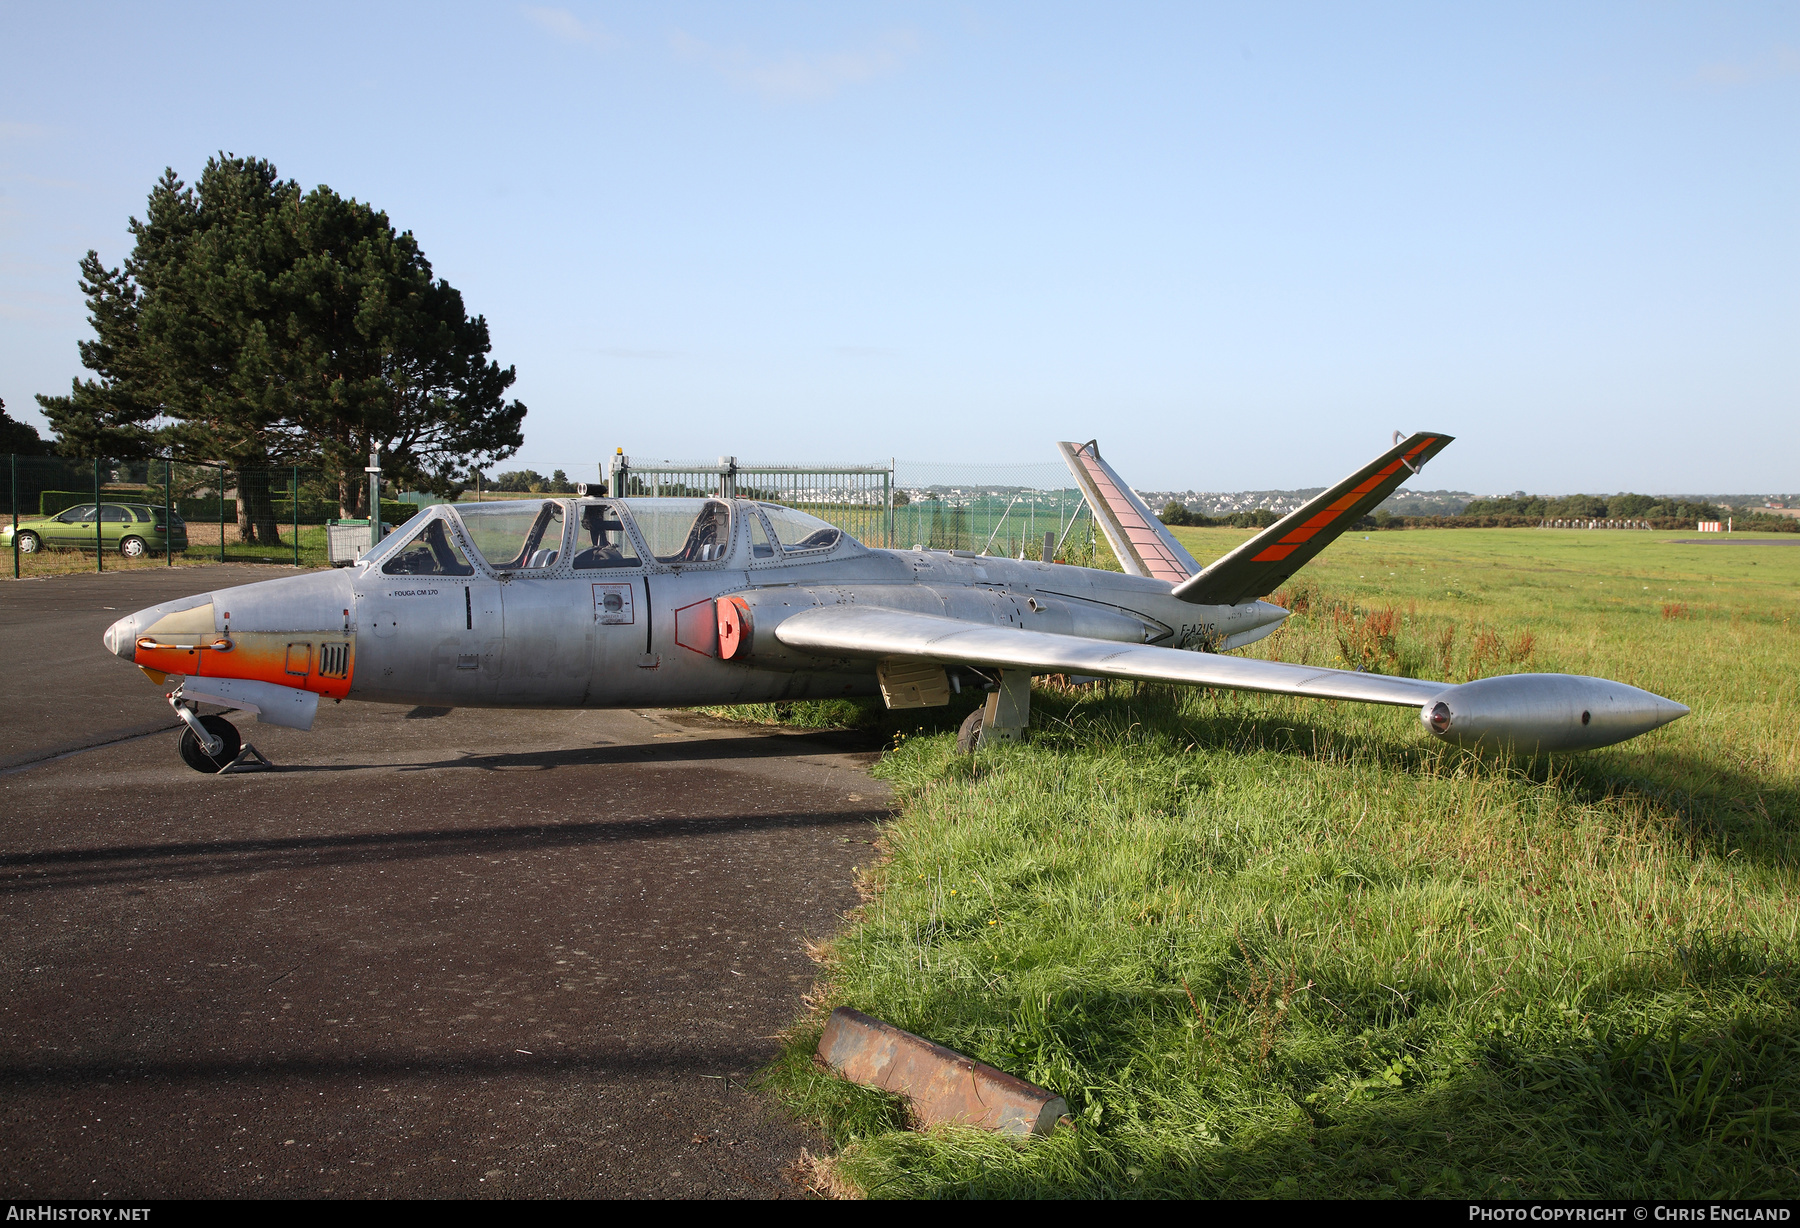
point(640, 635)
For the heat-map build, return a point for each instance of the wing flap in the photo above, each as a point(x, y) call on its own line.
point(868, 631)
point(1143, 545)
point(1263, 564)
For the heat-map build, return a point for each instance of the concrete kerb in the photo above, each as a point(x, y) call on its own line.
point(942, 1085)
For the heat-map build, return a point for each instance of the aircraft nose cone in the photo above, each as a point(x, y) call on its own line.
point(121, 638)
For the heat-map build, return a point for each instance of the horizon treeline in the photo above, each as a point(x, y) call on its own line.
point(1596, 507)
point(1502, 510)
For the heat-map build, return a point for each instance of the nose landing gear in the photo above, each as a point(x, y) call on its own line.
point(211, 744)
point(223, 737)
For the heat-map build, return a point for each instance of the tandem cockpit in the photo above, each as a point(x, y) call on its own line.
point(563, 536)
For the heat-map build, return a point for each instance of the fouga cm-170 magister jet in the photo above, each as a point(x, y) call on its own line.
point(663, 602)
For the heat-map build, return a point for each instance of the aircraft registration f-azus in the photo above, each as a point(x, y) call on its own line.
point(665, 602)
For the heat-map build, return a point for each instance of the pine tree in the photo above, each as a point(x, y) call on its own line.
point(20, 438)
point(256, 325)
point(387, 357)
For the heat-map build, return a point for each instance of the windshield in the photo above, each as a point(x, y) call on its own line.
point(682, 531)
point(431, 553)
point(393, 538)
point(514, 535)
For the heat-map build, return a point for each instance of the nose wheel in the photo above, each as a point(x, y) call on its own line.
point(211, 744)
point(220, 749)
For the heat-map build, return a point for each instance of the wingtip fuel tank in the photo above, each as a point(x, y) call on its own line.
point(1533, 713)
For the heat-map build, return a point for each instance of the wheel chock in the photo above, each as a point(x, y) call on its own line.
point(248, 759)
point(943, 1085)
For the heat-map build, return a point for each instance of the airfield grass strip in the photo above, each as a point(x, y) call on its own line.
point(1276, 947)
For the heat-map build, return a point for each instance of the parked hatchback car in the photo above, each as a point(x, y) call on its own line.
point(133, 529)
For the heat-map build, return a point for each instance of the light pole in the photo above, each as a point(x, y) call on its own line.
point(374, 472)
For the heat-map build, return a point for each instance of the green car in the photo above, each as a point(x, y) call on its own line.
point(132, 529)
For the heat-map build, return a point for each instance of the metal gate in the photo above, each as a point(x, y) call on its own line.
point(858, 499)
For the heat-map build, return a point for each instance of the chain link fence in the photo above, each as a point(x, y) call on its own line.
point(1007, 510)
point(65, 514)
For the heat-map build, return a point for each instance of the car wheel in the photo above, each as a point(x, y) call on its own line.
point(133, 548)
point(195, 756)
point(28, 543)
point(968, 737)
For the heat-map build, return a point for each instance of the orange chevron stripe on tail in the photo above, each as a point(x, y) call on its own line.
point(1264, 563)
point(1337, 507)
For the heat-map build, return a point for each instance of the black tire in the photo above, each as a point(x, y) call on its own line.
point(133, 548)
point(195, 756)
point(968, 735)
point(29, 543)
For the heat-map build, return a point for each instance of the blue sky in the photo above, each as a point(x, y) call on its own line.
point(1239, 244)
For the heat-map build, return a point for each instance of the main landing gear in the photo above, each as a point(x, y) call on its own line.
point(968, 736)
point(212, 744)
point(1003, 717)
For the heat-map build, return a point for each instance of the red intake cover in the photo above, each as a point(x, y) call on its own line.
point(734, 627)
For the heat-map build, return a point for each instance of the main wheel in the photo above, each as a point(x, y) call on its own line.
point(968, 735)
point(28, 543)
point(133, 548)
point(195, 756)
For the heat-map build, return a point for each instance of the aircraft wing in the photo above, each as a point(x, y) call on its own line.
point(1263, 564)
point(1143, 545)
point(868, 631)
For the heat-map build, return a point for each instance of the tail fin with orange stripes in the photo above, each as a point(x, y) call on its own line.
point(1263, 564)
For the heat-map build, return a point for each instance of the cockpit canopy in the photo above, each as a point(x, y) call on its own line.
point(682, 531)
point(600, 534)
point(799, 533)
point(515, 536)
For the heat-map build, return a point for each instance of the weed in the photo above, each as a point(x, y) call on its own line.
point(1489, 648)
point(1523, 645)
point(1266, 997)
point(1366, 639)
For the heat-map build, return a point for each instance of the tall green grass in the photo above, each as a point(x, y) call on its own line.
point(1276, 947)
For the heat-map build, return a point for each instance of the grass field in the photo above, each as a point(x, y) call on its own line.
point(1277, 947)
